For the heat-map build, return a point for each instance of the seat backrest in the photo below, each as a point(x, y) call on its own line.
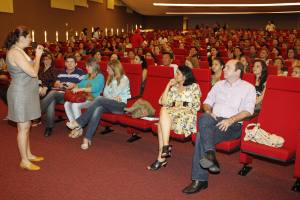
point(272, 70)
point(60, 63)
point(203, 77)
point(81, 65)
point(134, 74)
point(178, 51)
point(249, 77)
point(157, 79)
point(103, 68)
point(280, 111)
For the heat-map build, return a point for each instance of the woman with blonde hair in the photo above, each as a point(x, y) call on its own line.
point(114, 100)
point(92, 84)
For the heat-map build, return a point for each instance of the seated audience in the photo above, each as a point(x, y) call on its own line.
point(296, 72)
point(217, 69)
point(114, 57)
point(212, 55)
point(97, 55)
point(167, 60)
point(282, 70)
point(114, 100)
point(47, 74)
point(180, 102)
point(261, 73)
point(292, 57)
point(228, 103)
point(245, 61)
point(92, 84)
point(65, 80)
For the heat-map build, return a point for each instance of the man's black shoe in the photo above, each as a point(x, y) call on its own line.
point(195, 186)
point(48, 132)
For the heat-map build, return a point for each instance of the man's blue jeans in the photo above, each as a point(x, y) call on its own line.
point(208, 136)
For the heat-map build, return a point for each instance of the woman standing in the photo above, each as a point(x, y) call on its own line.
point(23, 92)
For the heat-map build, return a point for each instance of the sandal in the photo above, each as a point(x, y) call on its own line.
point(156, 165)
point(85, 146)
point(71, 125)
point(76, 133)
point(166, 151)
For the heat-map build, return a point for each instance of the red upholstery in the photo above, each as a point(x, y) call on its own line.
point(203, 77)
point(125, 60)
point(103, 68)
point(177, 51)
point(203, 64)
point(280, 115)
point(60, 63)
point(249, 77)
point(134, 74)
point(272, 70)
point(81, 65)
point(157, 79)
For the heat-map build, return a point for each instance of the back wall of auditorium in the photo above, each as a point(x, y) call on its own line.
point(39, 16)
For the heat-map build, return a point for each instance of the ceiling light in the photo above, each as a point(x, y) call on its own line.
point(228, 5)
point(227, 13)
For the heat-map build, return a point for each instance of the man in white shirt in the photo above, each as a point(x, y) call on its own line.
point(167, 59)
point(227, 104)
point(270, 27)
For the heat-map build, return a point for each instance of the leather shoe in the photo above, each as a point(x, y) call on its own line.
point(195, 186)
point(48, 132)
point(210, 162)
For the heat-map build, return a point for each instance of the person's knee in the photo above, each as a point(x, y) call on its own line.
point(206, 120)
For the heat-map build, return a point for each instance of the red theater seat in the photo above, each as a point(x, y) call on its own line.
point(157, 79)
point(280, 115)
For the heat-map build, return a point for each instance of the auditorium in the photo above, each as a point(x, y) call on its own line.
point(152, 99)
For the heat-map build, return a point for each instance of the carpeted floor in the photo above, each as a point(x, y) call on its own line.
point(113, 169)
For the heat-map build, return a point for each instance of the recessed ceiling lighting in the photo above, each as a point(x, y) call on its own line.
point(227, 13)
point(228, 5)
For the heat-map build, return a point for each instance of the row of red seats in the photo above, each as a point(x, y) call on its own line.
point(280, 91)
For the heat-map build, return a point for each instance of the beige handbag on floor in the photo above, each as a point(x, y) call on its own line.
point(258, 135)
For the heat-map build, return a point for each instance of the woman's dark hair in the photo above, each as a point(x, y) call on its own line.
point(144, 63)
point(95, 51)
point(220, 61)
point(264, 73)
point(188, 74)
point(14, 36)
point(47, 54)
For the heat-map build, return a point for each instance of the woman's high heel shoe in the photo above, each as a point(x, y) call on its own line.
point(85, 146)
point(30, 167)
point(166, 151)
point(157, 165)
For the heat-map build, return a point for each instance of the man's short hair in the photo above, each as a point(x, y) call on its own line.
point(239, 66)
point(70, 57)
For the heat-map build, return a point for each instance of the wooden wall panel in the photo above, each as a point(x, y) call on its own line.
point(63, 4)
point(7, 6)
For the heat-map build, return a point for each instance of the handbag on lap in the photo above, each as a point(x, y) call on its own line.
point(78, 97)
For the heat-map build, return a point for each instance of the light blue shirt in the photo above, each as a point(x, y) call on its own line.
point(114, 90)
point(228, 99)
point(96, 84)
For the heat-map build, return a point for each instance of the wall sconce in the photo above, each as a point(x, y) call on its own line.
point(45, 35)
